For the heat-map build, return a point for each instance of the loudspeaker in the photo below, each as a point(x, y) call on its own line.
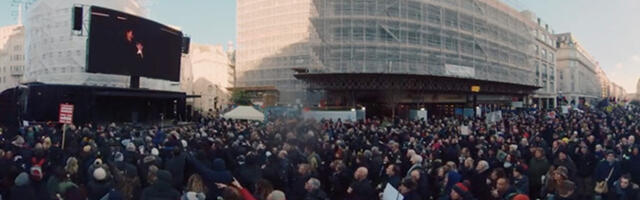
point(185, 44)
point(77, 18)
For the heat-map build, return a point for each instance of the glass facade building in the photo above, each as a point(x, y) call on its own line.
point(475, 39)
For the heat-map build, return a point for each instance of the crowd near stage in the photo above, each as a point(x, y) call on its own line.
point(41, 103)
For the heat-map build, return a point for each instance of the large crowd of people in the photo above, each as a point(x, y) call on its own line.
point(583, 154)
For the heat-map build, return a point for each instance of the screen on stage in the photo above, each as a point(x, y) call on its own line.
point(124, 44)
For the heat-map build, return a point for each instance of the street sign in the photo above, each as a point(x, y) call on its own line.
point(66, 114)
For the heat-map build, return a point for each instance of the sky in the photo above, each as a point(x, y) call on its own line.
point(609, 30)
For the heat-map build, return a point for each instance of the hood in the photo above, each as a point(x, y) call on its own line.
point(219, 165)
point(22, 179)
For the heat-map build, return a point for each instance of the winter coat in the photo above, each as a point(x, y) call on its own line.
point(479, 187)
point(97, 189)
point(219, 174)
point(339, 182)
point(316, 195)
point(522, 185)
point(585, 164)
point(22, 190)
point(537, 169)
point(362, 190)
point(176, 166)
point(632, 192)
point(603, 169)
point(161, 189)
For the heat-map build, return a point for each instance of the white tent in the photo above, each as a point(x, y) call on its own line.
point(244, 112)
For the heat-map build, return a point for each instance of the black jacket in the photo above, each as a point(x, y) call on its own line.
point(479, 187)
point(24, 192)
point(161, 189)
point(316, 195)
point(362, 190)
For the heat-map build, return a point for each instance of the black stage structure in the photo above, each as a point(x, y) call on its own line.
point(41, 102)
point(394, 94)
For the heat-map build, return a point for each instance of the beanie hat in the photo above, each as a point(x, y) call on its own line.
point(118, 157)
point(155, 152)
point(86, 148)
point(520, 197)
point(461, 189)
point(131, 147)
point(99, 174)
point(22, 179)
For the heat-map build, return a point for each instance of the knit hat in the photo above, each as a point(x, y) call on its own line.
point(461, 189)
point(131, 146)
point(522, 169)
point(155, 152)
point(118, 157)
point(22, 179)
point(520, 197)
point(99, 174)
point(19, 141)
point(86, 148)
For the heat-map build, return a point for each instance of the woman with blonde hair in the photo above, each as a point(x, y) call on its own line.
point(195, 188)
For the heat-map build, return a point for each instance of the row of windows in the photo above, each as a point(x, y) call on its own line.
point(417, 11)
point(435, 38)
point(16, 57)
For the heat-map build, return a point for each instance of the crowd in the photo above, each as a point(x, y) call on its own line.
point(584, 154)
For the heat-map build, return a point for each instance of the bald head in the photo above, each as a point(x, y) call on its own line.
point(276, 195)
point(361, 173)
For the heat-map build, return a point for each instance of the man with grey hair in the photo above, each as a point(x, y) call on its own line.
point(314, 192)
point(416, 163)
point(276, 195)
point(479, 187)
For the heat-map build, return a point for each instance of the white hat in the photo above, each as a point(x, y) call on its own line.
point(99, 174)
point(184, 143)
point(155, 152)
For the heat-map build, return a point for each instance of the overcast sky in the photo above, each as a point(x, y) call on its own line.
point(609, 30)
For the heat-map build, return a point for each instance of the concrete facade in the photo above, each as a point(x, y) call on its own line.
point(11, 56)
point(211, 76)
point(544, 62)
point(577, 70)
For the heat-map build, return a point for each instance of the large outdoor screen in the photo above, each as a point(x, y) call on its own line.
point(124, 44)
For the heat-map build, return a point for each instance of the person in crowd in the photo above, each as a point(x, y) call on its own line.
point(276, 195)
point(479, 186)
point(460, 191)
point(314, 192)
point(361, 188)
point(409, 189)
point(524, 152)
point(624, 189)
point(538, 167)
point(195, 189)
point(22, 188)
point(160, 188)
point(520, 180)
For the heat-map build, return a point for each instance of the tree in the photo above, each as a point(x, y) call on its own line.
point(240, 97)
